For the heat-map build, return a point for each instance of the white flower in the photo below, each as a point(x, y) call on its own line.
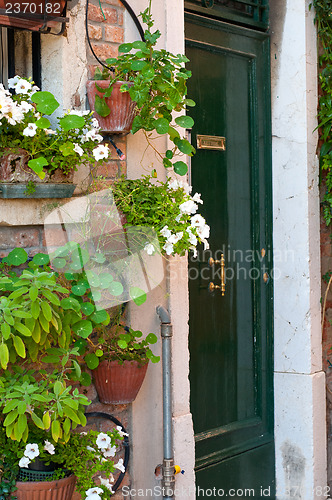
point(197, 198)
point(95, 123)
point(94, 493)
point(173, 184)
point(92, 135)
point(24, 462)
point(174, 238)
point(178, 218)
point(107, 483)
point(103, 440)
point(194, 249)
point(206, 244)
point(78, 112)
point(25, 106)
point(192, 236)
point(100, 152)
point(78, 149)
point(23, 87)
point(14, 114)
point(203, 231)
point(30, 130)
point(49, 131)
point(34, 90)
point(197, 221)
point(188, 207)
point(49, 447)
point(12, 82)
point(168, 247)
point(31, 450)
point(165, 232)
point(109, 451)
point(149, 248)
point(120, 431)
point(89, 448)
point(120, 465)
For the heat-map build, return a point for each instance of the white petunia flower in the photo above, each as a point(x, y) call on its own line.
point(109, 451)
point(89, 448)
point(12, 82)
point(103, 440)
point(120, 465)
point(49, 131)
point(192, 236)
point(14, 114)
point(173, 184)
point(165, 232)
point(185, 186)
point(149, 248)
point(26, 106)
point(95, 123)
point(197, 198)
point(31, 450)
point(174, 238)
point(92, 135)
point(120, 431)
point(23, 87)
point(188, 207)
point(94, 490)
point(34, 90)
point(194, 249)
point(100, 152)
point(30, 130)
point(93, 496)
point(78, 149)
point(107, 483)
point(197, 221)
point(206, 244)
point(168, 247)
point(49, 447)
point(24, 462)
point(203, 231)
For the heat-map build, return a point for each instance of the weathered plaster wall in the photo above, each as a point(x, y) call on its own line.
point(299, 380)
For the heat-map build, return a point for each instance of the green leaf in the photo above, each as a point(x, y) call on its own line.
point(101, 107)
point(100, 316)
point(22, 423)
point(87, 308)
point(161, 125)
point(4, 356)
point(116, 288)
point(41, 259)
point(70, 122)
point(5, 330)
point(19, 346)
point(169, 154)
point(54, 299)
point(167, 163)
point(46, 102)
point(138, 65)
point(55, 430)
point(77, 369)
point(33, 293)
point(122, 344)
point(173, 133)
point(35, 309)
point(138, 44)
point(46, 420)
point(83, 328)
point(189, 102)
point(184, 146)
point(70, 303)
point(43, 123)
point(125, 47)
point(137, 295)
point(59, 263)
point(184, 121)
point(37, 166)
point(22, 329)
point(37, 421)
point(85, 379)
point(180, 168)
point(11, 417)
point(17, 257)
point(51, 359)
point(57, 388)
point(70, 413)
point(151, 338)
point(67, 149)
point(47, 310)
point(92, 361)
point(78, 290)
point(99, 353)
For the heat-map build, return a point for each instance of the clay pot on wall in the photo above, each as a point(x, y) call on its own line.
point(118, 384)
point(23, 14)
point(122, 108)
point(60, 489)
point(15, 176)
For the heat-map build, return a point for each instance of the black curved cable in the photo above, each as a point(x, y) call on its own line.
point(133, 16)
point(125, 443)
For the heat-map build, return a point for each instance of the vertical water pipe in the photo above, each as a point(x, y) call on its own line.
point(168, 479)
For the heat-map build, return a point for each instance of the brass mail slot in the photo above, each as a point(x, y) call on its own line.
point(211, 142)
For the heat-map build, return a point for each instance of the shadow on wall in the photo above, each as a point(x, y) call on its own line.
point(277, 12)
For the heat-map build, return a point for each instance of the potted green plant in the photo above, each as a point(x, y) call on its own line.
point(119, 360)
point(155, 79)
point(35, 159)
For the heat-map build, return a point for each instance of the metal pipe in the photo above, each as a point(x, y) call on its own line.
point(168, 479)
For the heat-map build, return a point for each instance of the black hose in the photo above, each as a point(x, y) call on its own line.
point(125, 443)
point(133, 16)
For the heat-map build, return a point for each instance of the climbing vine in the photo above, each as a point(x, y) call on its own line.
point(323, 20)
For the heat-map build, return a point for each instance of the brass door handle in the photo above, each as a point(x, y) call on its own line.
point(222, 286)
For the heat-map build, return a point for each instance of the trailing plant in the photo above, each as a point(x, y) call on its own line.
point(167, 208)
point(25, 126)
point(156, 81)
point(324, 28)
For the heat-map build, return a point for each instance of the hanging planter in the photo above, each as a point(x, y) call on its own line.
point(60, 489)
point(121, 107)
point(119, 384)
point(17, 180)
point(32, 15)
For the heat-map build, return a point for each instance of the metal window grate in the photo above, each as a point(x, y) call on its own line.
point(251, 13)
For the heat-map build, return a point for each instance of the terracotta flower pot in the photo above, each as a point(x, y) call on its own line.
point(21, 14)
point(15, 174)
point(118, 384)
point(61, 489)
point(122, 114)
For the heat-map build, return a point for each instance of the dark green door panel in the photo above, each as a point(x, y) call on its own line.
point(231, 337)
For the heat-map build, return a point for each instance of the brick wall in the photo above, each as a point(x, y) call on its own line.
point(106, 35)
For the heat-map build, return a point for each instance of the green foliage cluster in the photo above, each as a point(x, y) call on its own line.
point(156, 81)
point(323, 20)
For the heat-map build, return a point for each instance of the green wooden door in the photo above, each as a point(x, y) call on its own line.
point(230, 340)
